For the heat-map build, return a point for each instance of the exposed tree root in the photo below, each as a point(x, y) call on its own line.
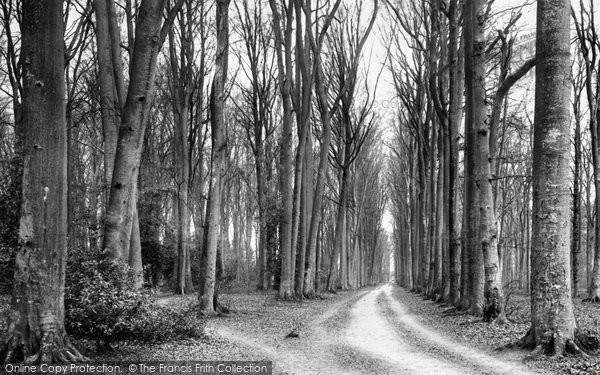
point(555, 344)
point(50, 348)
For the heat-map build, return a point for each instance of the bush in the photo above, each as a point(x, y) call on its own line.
point(159, 323)
point(102, 304)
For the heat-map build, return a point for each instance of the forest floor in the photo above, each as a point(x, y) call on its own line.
point(382, 330)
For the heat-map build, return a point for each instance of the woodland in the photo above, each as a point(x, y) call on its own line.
point(172, 168)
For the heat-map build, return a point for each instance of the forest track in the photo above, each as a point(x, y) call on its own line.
point(368, 333)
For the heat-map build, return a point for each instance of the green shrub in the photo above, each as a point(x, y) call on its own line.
point(102, 304)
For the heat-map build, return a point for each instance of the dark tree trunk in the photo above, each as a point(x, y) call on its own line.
point(471, 207)
point(35, 326)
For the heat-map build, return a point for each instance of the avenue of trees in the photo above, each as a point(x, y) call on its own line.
point(490, 190)
point(210, 144)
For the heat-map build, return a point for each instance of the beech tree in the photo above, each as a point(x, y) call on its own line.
point(150, 34)
point(207, 293)
point(553, 326)
point(35, 329)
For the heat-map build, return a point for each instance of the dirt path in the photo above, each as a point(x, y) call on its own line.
point(369, 333)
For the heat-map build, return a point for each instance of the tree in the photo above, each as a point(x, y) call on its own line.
point(553, 326)
point(475, 106)
point(35, 330)
point(283, 46)
point(112, 100)
point(181, 61)
point(207, 294)
point(150, 34)
point(451, 138)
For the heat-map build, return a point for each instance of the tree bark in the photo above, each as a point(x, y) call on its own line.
point(553, 326)
point(284, 64)
point(35, 329)
point(149, 36)
point(488, 225)
point(576, 236)
point(181, 64)
point(471, 207)
point(456, 87)
point(219, 154)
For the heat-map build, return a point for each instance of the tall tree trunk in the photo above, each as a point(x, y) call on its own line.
point(218, 159)
point(456, 87)
point(284, 64)
point(553, 327)
point(471, 206)
point(112, 100)
point(576, 237)
point(181, 60)
point(148, 40)
point(35, 328)
point(488, 225)
point(317, 209)
point(110, 103)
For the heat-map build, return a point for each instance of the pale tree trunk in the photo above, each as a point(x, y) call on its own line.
point(148, 40)
point(456, 87)
point(181, 60)
point(553, 326)
point(440, 267)
point(208, 290)
point(316, 216)
point(112, 100)
point(303, 95)
point(35, 327)
point(488, 225)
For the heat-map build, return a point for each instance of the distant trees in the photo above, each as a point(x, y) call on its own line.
point(467, 274)
point(588, 47)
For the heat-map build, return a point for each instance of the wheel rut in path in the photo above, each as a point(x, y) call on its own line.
point(368, 333)
point(416, 349)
